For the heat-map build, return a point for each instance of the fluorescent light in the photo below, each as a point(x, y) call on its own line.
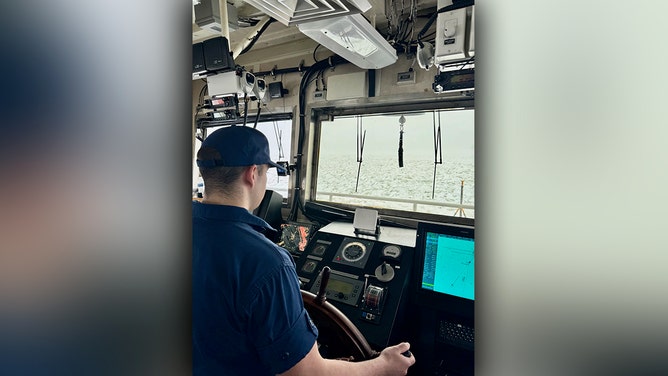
point(293, 12)
point(353, 38)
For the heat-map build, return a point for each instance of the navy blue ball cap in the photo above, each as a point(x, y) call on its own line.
point(238, 146)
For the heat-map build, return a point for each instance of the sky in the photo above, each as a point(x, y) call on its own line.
point(382, 135)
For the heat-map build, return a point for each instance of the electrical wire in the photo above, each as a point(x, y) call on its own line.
point(314, 51)
point(200, 101)
point(257, 117)
point(195, 116)
point(467, 62)
point(247, 21)
point(332, 61)
point(245, 108)
point(322, 79)
point(257, 36)
point(430, 35)
point(201, 93)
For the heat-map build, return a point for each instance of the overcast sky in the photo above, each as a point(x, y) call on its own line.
point(382, 135)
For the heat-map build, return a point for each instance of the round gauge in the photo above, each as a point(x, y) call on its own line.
point(353, 251)
point(393, 251)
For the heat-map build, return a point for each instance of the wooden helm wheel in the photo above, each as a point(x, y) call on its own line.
point(338, 337)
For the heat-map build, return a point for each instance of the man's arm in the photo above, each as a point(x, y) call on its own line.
point(390, 362)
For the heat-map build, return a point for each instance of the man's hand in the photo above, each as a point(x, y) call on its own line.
point(398, 358)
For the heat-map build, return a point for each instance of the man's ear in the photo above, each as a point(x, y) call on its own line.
point(249, 175)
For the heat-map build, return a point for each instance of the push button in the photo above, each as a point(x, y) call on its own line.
point(309, 266)
point(285, 355)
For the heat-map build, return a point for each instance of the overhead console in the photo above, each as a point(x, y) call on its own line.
point(369, 275)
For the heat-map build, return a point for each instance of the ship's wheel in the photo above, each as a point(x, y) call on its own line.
point(338, 337)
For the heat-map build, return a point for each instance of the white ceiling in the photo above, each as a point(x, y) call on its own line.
point(277, 34)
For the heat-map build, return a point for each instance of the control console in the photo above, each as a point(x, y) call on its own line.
point(369, 275)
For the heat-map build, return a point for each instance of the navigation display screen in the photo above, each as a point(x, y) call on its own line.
point(295, 236)
point(449, 265)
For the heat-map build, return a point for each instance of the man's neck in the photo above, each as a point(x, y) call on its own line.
point(226, 200)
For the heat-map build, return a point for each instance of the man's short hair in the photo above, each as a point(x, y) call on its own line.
point(218, 179)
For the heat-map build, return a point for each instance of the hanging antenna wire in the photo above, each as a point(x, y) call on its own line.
point(279, 140)
point(402, 120)
point(438, 149)
point(360, 149)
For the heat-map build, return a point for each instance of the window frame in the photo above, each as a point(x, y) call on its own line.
point(397, 104)
point(208, 126)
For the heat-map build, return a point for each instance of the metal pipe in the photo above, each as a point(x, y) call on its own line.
point(224, 21)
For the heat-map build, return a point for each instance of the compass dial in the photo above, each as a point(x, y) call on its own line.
point(354, 251)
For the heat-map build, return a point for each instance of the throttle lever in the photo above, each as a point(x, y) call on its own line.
point(324, 279)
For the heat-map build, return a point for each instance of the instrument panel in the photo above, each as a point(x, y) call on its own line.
point(353, 252)
point(369, 276)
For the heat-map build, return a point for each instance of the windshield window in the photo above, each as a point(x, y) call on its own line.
point(438, 173)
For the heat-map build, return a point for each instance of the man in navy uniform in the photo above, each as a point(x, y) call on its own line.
point(248, 313)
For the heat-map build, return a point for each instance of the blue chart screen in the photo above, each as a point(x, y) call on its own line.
point(449, 265)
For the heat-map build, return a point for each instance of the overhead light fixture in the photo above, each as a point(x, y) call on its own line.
point(353, 38)
point(294, 12)
point(337, 25)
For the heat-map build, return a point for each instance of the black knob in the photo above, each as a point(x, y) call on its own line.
point(320, 298)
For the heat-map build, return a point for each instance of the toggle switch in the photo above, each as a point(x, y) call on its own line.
point(384, 272)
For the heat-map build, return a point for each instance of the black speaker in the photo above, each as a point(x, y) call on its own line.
point(217, 56)
point(198, 59)
point(276, 90)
